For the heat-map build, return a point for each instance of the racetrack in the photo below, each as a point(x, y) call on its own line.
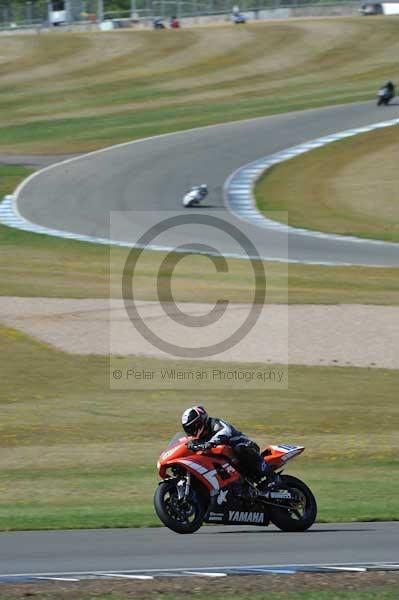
point(138, 549)
point(151, 175)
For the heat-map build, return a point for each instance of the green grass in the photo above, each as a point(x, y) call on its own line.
point(10, 177)
point(119, 86)
point(75, 453)
point(348, 187)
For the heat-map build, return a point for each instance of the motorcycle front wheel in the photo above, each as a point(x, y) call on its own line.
point(302, 512)
point(179, 516)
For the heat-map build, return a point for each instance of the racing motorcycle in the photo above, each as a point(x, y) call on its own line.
point(385, 95)
point(208, 486)
point(194, 196)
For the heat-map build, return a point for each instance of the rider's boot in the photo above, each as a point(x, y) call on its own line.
point(267, 479)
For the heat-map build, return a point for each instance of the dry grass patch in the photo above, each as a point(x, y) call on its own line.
point(350, 187)
point(41, 266)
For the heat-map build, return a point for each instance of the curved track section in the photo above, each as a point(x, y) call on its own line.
point(239, 188)
point(212, 547)
point(150, 175)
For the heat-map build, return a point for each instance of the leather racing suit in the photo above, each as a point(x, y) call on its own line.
point(219, 431)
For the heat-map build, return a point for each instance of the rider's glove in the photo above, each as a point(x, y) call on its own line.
point(207, 445)
point(196, 446)
point(192, 446)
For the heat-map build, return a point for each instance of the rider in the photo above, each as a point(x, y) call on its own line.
point(208, 432)
point(390, 87)
point(203, 190)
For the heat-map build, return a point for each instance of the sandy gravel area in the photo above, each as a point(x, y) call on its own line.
point(346, 335)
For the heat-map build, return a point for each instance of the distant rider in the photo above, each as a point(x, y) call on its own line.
point(208, 432)
point(203, 190)
point(391, 88)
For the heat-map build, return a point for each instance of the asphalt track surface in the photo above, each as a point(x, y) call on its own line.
point(159, 548)
point(151, 176)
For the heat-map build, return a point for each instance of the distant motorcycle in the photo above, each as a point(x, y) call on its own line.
point(385, 95)
point(195, 195)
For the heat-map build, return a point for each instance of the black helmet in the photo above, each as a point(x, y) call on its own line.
point(195, 421)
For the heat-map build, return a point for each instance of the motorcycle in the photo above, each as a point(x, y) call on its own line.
point(195, 195)
point(385, 95)
point(208, 486)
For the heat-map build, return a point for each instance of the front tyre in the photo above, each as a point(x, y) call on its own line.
point(179, 516)
point(302, 511)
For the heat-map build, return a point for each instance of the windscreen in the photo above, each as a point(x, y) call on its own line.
point(176, 438)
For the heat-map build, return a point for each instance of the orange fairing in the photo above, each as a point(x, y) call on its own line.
point(210, 467)
point(176, 450)
point(225, 450)
point(277, 456)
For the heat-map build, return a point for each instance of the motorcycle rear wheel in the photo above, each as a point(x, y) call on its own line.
point(179, 517)
point(303, 515)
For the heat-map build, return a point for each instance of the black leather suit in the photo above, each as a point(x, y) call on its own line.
point(219, 431)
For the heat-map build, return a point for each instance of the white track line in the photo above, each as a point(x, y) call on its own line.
point(203, 574)
point(58, 578)
point(124, 576)
point(356, 569)
point(364, 564)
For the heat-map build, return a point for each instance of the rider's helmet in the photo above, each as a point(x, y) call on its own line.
point(203, 188)
point(195, 421)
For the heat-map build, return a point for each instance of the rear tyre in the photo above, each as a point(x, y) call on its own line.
point(303, 512)
point(180, 517)
point(380, 101)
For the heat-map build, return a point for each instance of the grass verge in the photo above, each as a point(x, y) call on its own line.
point(300, 586)
point(135, 591)
point(335, 189)
point(75, 453)
point(10, 177)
